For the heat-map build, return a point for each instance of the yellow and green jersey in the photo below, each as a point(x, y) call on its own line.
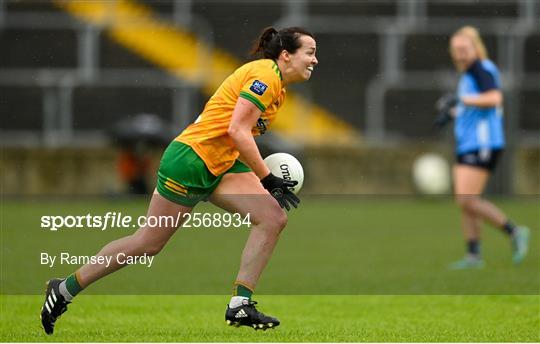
point(259, 82)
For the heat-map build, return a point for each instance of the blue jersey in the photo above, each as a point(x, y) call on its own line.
point(478, 128)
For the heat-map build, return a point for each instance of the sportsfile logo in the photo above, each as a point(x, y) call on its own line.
point(117, 220)
point(111, 220)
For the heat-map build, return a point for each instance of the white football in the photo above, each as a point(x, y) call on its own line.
point(286, 166)
point(431, 174)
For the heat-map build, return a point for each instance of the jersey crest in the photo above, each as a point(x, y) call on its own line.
point(258, 87)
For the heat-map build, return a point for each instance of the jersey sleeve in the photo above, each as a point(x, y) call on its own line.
point(484, 79)
point(261, 87)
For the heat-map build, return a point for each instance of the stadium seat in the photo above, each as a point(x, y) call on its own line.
point(234, 25)
point(21, 108)
point(410, 112)
point(34, 6)
point(50, 48)
point(430, 51)
point(94, 106)
point(530, 103)
point(484, 9)
point(113, 55)
point(164, 7)
point(353, 7)
point(346, 63)
point(532, 54)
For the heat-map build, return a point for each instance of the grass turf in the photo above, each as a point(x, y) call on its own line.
point(148, 318)
point(332, 247)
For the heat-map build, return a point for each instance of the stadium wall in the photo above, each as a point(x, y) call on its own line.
point(380, 170)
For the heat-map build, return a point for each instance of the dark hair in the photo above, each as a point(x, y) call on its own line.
point(272, 42)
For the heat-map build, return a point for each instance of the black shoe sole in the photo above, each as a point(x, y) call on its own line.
point(256, 327)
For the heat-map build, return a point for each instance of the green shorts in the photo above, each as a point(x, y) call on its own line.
point(183, 177)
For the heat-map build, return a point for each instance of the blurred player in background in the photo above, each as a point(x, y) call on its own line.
point(477, 109)
point(203, 163)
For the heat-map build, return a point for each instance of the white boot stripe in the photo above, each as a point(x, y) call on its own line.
point(53, 295)
point(48, 308)
point(50, 301)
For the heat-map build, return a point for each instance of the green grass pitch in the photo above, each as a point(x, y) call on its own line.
point(346, 269)
point(199, 318)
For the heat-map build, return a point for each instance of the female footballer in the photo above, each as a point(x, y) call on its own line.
point(216, 159)
point(477, 109)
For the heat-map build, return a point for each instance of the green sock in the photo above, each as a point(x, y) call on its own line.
point(242, 290)
point(72, 285)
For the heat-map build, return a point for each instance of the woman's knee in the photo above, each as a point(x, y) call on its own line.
point(282, 219)
point(273, 218)
point(147, 246)
point(467, 202)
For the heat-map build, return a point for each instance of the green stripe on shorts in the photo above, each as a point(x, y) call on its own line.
point(183, 177)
